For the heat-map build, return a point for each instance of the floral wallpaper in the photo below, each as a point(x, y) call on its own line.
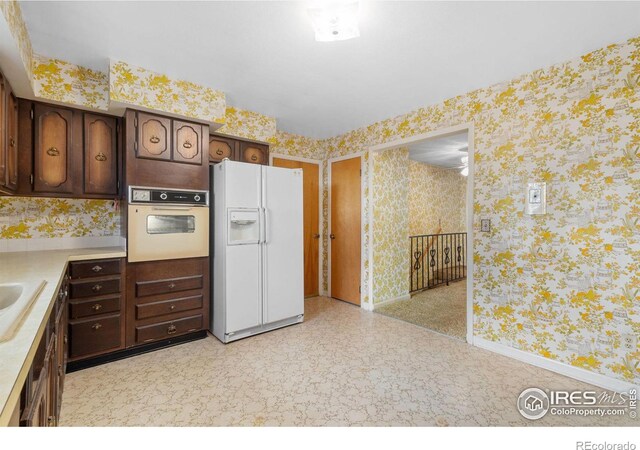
point(13, 15)
point(141, 87)
point(390, 213)
point(248, 124)
point(437, 199)
point(54, 79)
point(566, 285)
point(30, 217)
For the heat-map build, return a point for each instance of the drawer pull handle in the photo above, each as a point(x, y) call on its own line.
point(219, 152)
point(187, 144)
point(12, 142)
point(96, 326)
point(172, 307)
point(154, 139)
point(254, 158)
point(52, 151)
point(96, 269)
point(49, 420)
point(172, 329)
point(172, 285)
point(96, 288)
point(97, 307)
point(101, 157)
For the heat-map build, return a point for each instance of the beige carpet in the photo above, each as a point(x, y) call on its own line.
point(442, 309)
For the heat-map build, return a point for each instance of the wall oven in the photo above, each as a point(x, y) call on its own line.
point(167, 224)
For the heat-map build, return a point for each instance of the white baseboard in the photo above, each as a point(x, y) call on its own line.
point(563, 369)
point(375, 306)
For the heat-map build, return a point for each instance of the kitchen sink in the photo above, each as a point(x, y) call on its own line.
point(15, 301)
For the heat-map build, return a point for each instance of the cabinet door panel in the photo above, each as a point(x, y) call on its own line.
point(153, 137)
point(220, 148)
point(3, 132)
point(187, 142)
point(254, 153)
point(12, 142)
point(100, 155)
point(52, 149)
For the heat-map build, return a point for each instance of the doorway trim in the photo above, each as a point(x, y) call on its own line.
point(362, 206)
point(320, 212)
point(468, 127)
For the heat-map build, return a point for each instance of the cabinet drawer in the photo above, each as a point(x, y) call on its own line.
point(94, 307)
point(95, 335)
point(79, 289)
point(168, 329)
point(144, 288)
point(86, 269)
point(170, 306)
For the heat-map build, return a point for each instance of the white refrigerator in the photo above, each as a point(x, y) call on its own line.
point(257, 248)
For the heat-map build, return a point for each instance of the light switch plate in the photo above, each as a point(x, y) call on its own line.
point(536, 198)
point(485, 225)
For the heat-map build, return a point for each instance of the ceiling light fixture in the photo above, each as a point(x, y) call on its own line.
point(334, 20)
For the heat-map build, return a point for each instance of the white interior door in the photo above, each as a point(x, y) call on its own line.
point(283, 248)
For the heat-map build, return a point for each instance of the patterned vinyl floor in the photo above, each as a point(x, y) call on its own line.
point(442, 309)
point(343, 366)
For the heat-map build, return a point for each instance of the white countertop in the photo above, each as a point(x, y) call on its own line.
point(16, 354)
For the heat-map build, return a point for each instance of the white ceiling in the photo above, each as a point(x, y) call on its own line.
point(264, 57)
point(443, 151)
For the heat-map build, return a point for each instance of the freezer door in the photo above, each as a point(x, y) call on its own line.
point(242, 185)
point(243, 287)
point(283, 255)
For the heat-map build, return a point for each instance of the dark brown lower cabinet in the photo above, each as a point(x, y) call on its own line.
point(96, 317)
point(41, 396)
point(166, 299)
point(113, 309)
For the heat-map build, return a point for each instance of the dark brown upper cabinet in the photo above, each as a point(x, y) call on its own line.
point(154, 137)
point(166, 152)
point(61, 152)
point(187, 146)
point(100, 155)
point(53, 151)
point(8, 138)
point(254, 153)
point(12, 143)
point(221, 148)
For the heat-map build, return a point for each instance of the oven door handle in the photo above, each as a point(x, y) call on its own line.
point(172, 208)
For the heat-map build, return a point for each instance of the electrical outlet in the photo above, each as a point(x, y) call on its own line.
point(629, 342)
point(485, 225)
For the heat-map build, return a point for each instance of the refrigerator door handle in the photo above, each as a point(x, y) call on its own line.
point(266, 221)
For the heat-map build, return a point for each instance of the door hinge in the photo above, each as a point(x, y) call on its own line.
point(135, 121)
point(359, 289)
point(31, 178)
point(135, 145)
point(118, 185)
point(31, 113)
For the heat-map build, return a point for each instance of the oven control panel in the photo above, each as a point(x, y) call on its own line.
point(167, 196)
